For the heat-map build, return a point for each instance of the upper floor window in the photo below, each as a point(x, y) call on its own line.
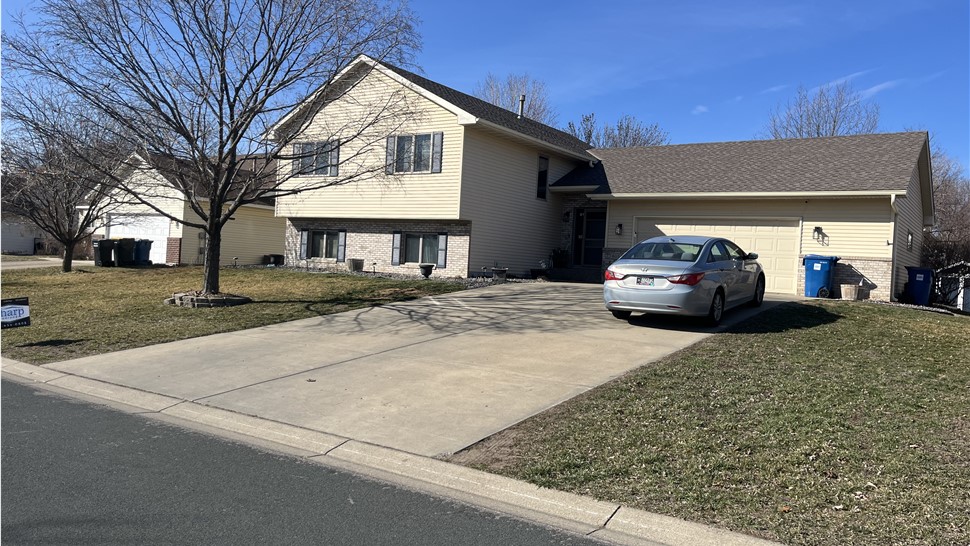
point(414, 153)
point(316, 158)
point(542, 182)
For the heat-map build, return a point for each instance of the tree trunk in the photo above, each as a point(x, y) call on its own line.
point(68, 260)
point(213, 247)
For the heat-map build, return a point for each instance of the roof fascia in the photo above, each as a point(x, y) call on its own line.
point(532, 140)
point(743, 195)
point(568, 189)
point(463, 116)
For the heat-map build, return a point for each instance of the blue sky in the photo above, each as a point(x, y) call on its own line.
point(711, 70)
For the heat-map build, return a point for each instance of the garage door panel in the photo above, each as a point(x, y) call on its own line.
point(142, 226)
point(775, 241)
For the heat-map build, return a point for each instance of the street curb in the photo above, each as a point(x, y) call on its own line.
point(597, 519)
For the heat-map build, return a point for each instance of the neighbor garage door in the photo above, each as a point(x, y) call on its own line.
point(775, 241)
point(142, 226)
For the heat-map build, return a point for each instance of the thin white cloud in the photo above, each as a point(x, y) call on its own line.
point(699, 109)
point(868, 93)
point(774, 89)
point(843, 79)
point(735, 100)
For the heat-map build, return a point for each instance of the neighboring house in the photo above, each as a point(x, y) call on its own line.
point(19, 235)
point(471, 186)
point(253, 232)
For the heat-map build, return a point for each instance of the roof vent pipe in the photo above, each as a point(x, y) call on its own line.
point(521, 105)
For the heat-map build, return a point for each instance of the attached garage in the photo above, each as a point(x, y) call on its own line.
point(867, 199)
point(153, 227)
point(776, 241)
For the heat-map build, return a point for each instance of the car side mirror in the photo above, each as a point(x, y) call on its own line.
point(751, 256)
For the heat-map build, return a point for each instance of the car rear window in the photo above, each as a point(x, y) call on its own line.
point(673, 252)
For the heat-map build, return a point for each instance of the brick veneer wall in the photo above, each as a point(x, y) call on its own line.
point(875, 276)
point(173, 250)
point(373, 240)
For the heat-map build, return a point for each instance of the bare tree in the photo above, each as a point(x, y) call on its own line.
point(949, 241)
point(56, 158)
point(506, 93)
point(832, 110)
point(206, 81)
point(628, 132)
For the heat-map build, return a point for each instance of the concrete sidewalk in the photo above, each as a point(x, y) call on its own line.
point(385, 389)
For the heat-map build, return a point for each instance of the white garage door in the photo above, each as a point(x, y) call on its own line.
point(142, 226)
point(775, 241)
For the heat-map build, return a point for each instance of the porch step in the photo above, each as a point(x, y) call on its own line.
point(576, 274)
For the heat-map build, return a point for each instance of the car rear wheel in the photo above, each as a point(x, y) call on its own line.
point(717, 309)
point(759, 292)
point(622, 315)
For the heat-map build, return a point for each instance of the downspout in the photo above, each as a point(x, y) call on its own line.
point(892, 242)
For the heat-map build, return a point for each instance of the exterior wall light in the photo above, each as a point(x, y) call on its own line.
point(619, 229)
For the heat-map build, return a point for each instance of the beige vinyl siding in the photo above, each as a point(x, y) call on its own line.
point(510, 226)
point(154, 188)
point(374, 194)
point(909, 219)
point(854, 227)
point(254, 233)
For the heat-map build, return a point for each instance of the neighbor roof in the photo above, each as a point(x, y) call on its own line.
point(171, 167)
point(860, 163)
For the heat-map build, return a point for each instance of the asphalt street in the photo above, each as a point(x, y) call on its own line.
point(78, 473)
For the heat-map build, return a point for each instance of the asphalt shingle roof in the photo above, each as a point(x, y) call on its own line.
point(849, 163)
point(496, 114)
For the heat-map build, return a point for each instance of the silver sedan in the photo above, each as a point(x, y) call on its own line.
point(694, 276)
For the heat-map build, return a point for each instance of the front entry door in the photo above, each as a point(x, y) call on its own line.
point(590, 237)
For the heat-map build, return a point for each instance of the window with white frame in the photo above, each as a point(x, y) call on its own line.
point(420, 248)
point(316, 158)
point(414, 153)
point(330, 244)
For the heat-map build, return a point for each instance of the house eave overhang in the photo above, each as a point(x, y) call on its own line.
point(573, 189)
point(464, 118)
point(532, 140)
point(745, 195)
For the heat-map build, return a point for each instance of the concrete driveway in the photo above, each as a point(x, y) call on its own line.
point(430, 376)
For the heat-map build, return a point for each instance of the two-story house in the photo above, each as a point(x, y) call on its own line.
point(469, 186)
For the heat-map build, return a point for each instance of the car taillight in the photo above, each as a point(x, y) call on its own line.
point(689, 280)
point(611, 275)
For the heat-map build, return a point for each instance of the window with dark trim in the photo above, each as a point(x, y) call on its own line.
point(420, 248)
point(330, 244)
point(414, 153)
point(316, 158)
point(542, 181)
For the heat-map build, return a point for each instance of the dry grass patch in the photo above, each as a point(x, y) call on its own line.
point(814, 423)
point(98, 310)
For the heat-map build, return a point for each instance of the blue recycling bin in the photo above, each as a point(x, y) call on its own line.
point(143, 252)
point(819, 271)
point(920, 285)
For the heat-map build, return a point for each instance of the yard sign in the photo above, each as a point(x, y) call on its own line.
point(16, 313)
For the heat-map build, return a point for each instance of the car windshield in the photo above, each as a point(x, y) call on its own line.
point(665, 251)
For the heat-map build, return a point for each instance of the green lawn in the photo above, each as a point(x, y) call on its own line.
point(96, 310)
point(812, 423)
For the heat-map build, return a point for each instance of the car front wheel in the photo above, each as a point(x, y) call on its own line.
point(622, 315)
point(717, 309)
